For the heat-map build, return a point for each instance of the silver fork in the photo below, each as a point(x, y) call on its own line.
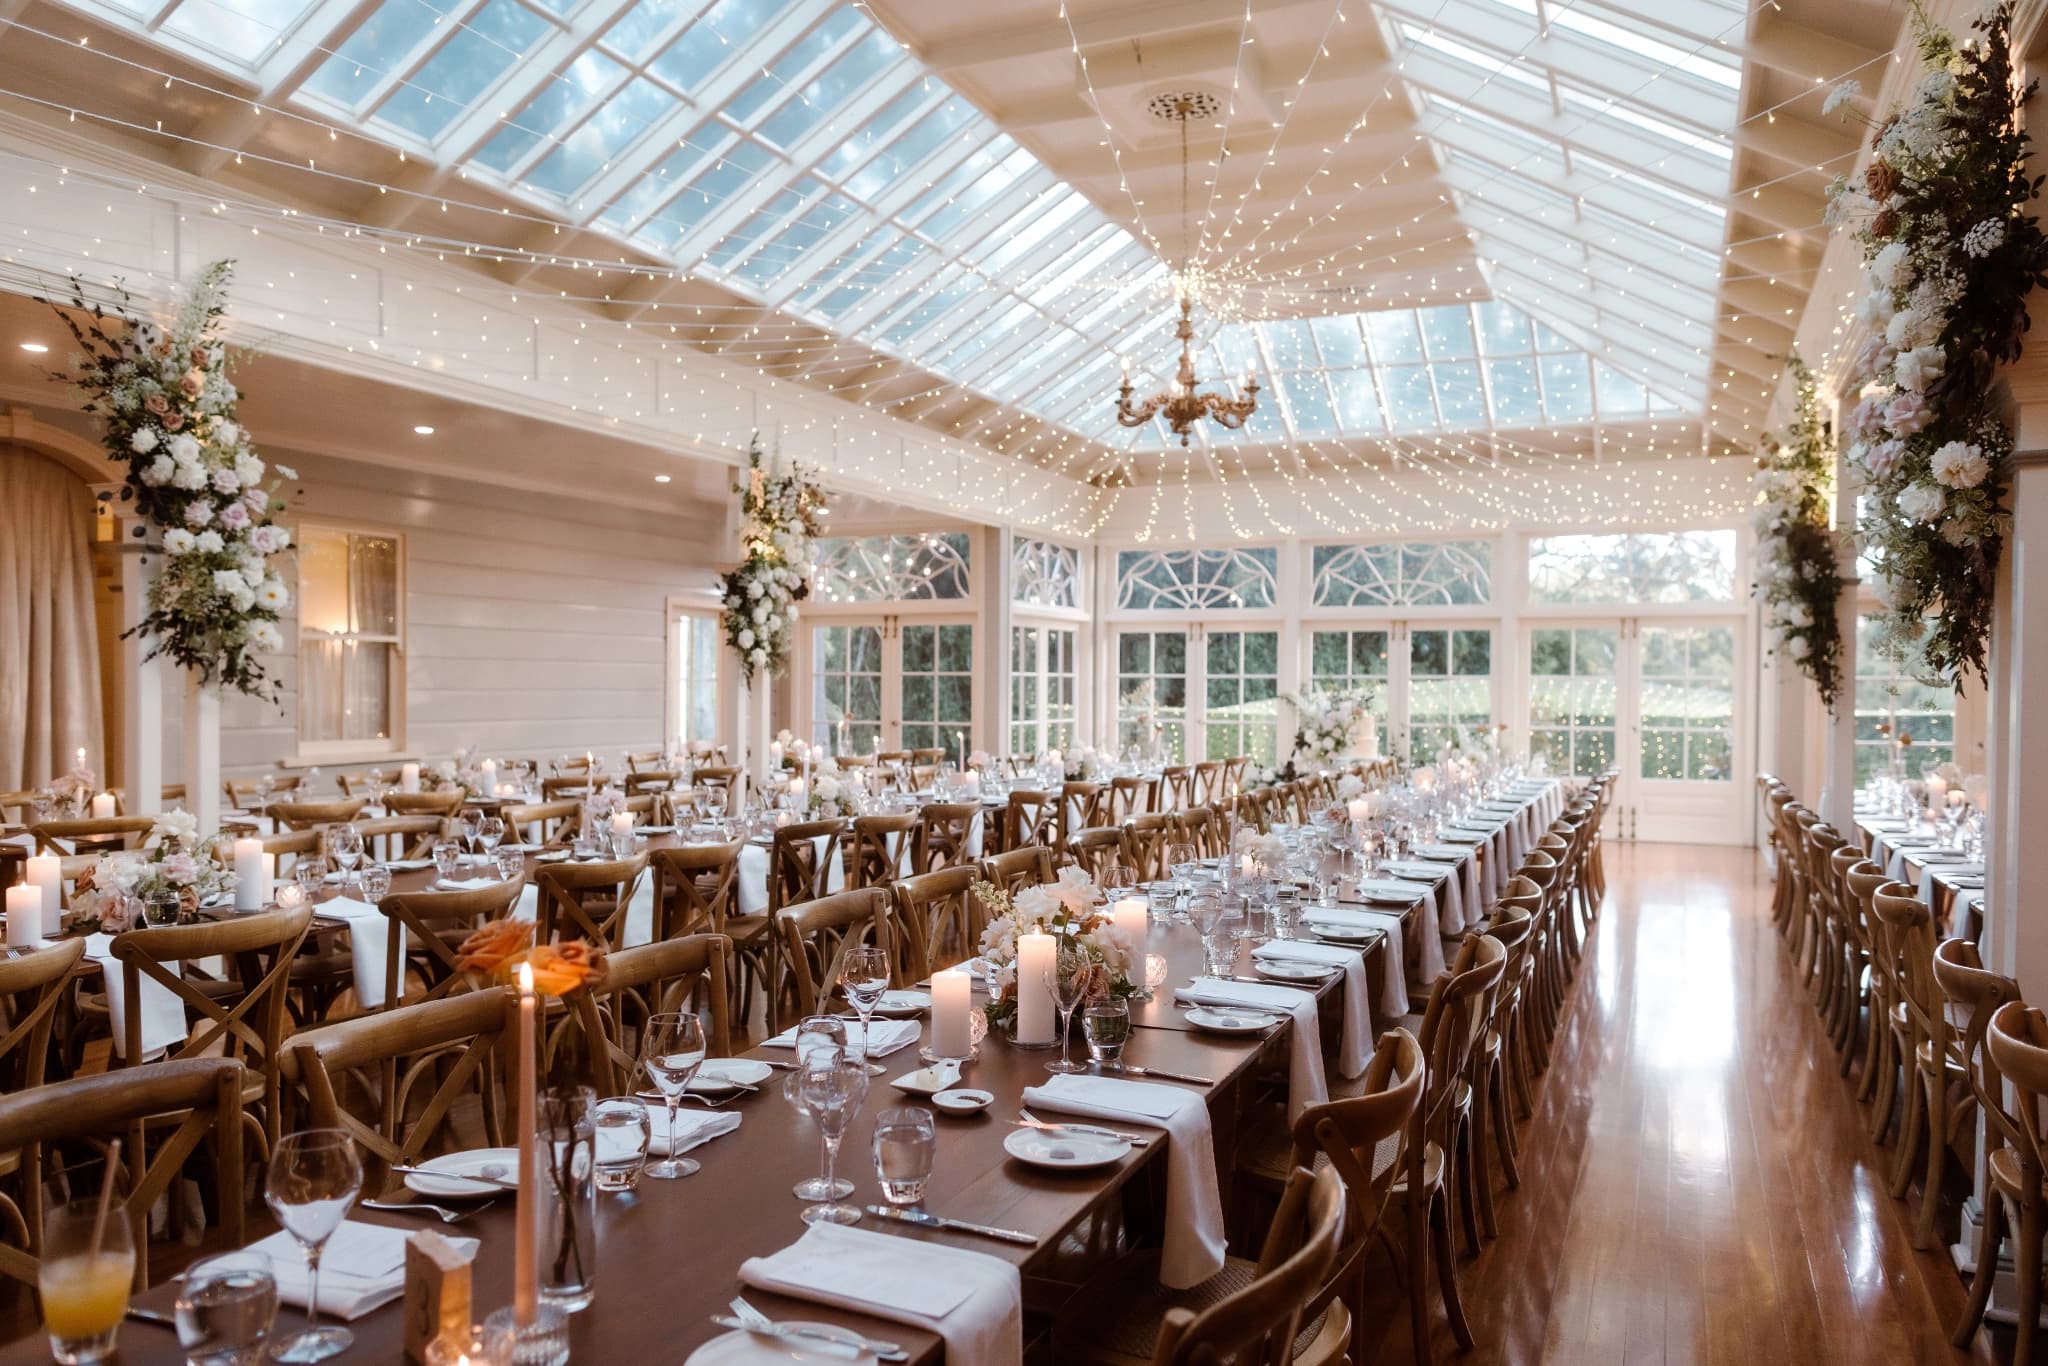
point(1135, 1140)
point(447, 1216)
point(754, 1318)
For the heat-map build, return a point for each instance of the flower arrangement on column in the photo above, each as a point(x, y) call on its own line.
point(780, 521)
point(1325, 723)
point(161, 392)
point(1798, 573)
point(1952, 254)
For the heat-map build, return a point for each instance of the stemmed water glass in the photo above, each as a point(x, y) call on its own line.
point(472, 827)
point(345, 847)
point(314, 1177)
point(817, 1036)
point(1068, 982)
point(672, 1048)
point(1119, 880)
point(490, 832)
point(864, 976)
point(831, 1085)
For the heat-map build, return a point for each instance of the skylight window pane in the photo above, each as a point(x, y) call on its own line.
point(874, 133)
point(1547, 340)
point(608, 131)
point(779, 257)
point(715, 186)
point(1620, 396)
point(972, 189)
point(1702, 62)
point(1358, 402)
point(1236, 349)
point(916, 143)
point(789, 68)
point(242, 29)
point(391, 32)
point(1503, 329)
point(1515, 400)
point(831, 89)
point(1448, 330)
point(1408, 397)
point(635, 32)
point(1394, 338)
point(467, 65)
point(1458, 395)
point(1051, 212)
point(1308, 403)
point(704, 46)
point(1287, 342)
point(566, 95)
point(860, 287)
point(1566, 396)
point(1340, 342)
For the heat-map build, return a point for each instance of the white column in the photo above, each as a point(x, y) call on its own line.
point(202, 753)
point(763, 704)
point(141, 681)
point(1838, 768)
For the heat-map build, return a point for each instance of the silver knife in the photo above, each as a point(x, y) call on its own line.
point(925, 1219)
point(1132, 1069)
point(488, 1182)
point(156, 1316)
point(1316, 985)
point(883, 1349)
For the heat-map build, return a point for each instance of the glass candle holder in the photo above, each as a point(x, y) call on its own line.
point(488, 1344)
point(544, 1342)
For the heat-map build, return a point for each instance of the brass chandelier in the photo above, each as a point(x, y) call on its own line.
point(1181, 403)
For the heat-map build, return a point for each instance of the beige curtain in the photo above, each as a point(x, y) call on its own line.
point(49, 643)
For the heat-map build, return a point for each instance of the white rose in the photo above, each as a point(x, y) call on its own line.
point(143, 441)
point(753, 588)
point(760, 611)
point(178, 541)
point(1918, 368)
point(1875, 308)
point(228, 433)
point(1960, 465)
point(159, 472)
point(188, 475)
point(209, 542)
point(248, 468)
point(184, 448)
point(1910, 327)
point(746, 638)
point(229, 581)
point(1893, 267)
point(759, 657)
point(266, 637)
point(1922, 503)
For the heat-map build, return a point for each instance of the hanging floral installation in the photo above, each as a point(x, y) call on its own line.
point(1798, 573)
point(781, 517)
point(1326, 724)
point(161, 391)
point(1952, 254)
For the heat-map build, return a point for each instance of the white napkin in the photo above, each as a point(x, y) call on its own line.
point(1413, 871)
point(753, 876)
point(163, 1014)
point(639, 926)
point(361, 1268)
point(369, 935)
point(972, 1300)
point(694, 1128)
point(1306, 1084)
point(1355, 1047)
point(1195, 1240)
point(1392, 889)
point(884, 1036)
point(1394, 974)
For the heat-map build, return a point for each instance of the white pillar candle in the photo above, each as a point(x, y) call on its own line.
point(252, 888)
point(24, 916)
point(408, 777)
point(103, 807)
point(622, 829)
point(1036, 957)
point(1128, 918)
point(1937, 790)
point(525, 1234)
point(775, 754)
point(489, 769)
point(952, 1001)
point(1359, 809)
point(46, 874)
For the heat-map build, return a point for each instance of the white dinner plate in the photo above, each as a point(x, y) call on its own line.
point(903, 1004)
point(551, 856)
point(1064, 1149)
point(407, 865)
point(1293, 970)
point(501, 1165)
point(963, 1100)
point(655, 830)
point(753, 1349)
point(1231, 1019)
point(718, 1076)
point(1350, 934)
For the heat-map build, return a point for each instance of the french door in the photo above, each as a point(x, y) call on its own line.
point(1193, 692)
point(1426, 679)
point(1656, 698)
point(890, 683)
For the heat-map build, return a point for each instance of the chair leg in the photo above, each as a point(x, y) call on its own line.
point(1447, 1273)
point(1912, 1125)
point(1483, 1107)
point(2027, 1260)
point(1419, 1203)
point(1887, 1080)
point(1506, 1143)
point(1988, 1238)
point(1937, 1156)
point(1873, 1033)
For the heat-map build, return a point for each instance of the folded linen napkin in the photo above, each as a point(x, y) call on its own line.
point(884, 1036)
point(1306, 1084)
point(1392, 889)
point(1355, 1037)
point(694, 1128)
point(1195, 1240)
point(972, 1300)
point(1394, 972)
point(163, 1014)
point(369, 940)
point(1413, 870)
point(361, 1268)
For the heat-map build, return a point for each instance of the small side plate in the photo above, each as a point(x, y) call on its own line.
point(963, 1100)
point(1231, 1019)
point(500, 1165)
point(1063, 1150)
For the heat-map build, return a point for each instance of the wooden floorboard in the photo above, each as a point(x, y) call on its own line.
point(1697, 1184)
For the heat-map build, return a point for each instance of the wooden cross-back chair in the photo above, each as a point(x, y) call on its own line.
point(546, 822)
point(443, 804)
point(1081, 807)
point(247, 1023)
point(1097, 850)
point(815, 936)
point(1928, 1048)
point(947, 838)
point(674, 974)
point(587, 900)
point(573, 786)
point(1208, 785)
point(394, 1081)
point(424, 929)
point(721, 782)
point(696, 891)
point(313, 815)
point(1979, 993)
point(939, 919)
point(62, 837)
point(801, 858)
point(1130, 795)
point(1146, 836)
point(2016, 1042)
point(241, 791)
point(400, 837)
point(203, 1094)
point(290, 848)
point(31, 985)
point(1177, 786)
point(1029, 817)
point(883, 848)
point(1234, 769)
point(652, 780)
point(1015, 869)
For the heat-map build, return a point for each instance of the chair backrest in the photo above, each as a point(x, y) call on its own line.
point(241, 791)
point(1029, 817)
point(1362, 1136)
point(1906, 953)
point(883, 847)
point(816, 934)
point(948, 835)
point(938, 919)
point(1457, 1011)
point(1015, 869)
point(394, 1080)
point(1978, 992)
point(1146, 836)
point(312, 815)
point(1177, 786)
point(668, 975)
point(31, 985)
point(205, 1094)
point(1130, 795)
point(400, 837)
point(62, 837)
point(695, 888)
point(800, 862)
point(547, 822)
point(2017, 1041)
point(1097, 849)
point(424, 803)
point(1234, 769)
point(1081, 805)
point(424, 929)
point(588, 900)
point(1208, 781)
point(1256, 1326)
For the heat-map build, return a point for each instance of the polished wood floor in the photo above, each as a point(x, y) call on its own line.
point(1697, 1185)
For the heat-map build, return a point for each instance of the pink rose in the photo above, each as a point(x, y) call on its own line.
point(1882, 458)
point(173, 421)
point(198, 512)
point(235, 516)
point(180, 870)
point(1876, 355)
point(1865, 419)
point(192, 383)
point(1907, 414)
point(157, 404)
point(257, 500)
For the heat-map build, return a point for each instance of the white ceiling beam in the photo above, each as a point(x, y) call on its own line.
point(1789, 47)
point(1786, 207)
point(1820, 148)
point(1042, 35)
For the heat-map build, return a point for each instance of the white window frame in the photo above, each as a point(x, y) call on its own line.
point(696, 608)
point(313, 752)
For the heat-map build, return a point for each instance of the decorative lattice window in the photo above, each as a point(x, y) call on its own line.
point(1197, 580)
point(1045, 575)
point(1425, 574)
point(893, 568)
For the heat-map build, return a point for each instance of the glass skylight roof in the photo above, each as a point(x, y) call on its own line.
point(796, 153)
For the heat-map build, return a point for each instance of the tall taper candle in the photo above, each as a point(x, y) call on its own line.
point(525, 1264)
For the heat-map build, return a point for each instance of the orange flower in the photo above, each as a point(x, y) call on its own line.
point(559, 969)
point(494, 946)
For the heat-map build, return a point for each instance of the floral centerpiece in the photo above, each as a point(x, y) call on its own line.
point(1256, 778)
point(1325, 723)
point(1797, 573)
point(1349, 786)
point(1952, 252)
point(1070, 909)
point(72, 792)
point(832, 793)
point(1082, 764)
point(173, 865)
point(780, 520)
point(162, 393)
point(1268, 852)
point(462, 772)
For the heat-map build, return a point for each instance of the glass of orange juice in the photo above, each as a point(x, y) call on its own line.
point(85, 1290)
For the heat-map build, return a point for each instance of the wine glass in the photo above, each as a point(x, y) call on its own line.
point(816, 1036)
point(490, 832)
point(472, 824)
point(376, 883)
point(831, 1086)
point(345, 847)
point(671, 1049)
point(84, 1284)
point(864, 976)
point(1072, 971)
point(1119, 880)
point(314, 1178)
